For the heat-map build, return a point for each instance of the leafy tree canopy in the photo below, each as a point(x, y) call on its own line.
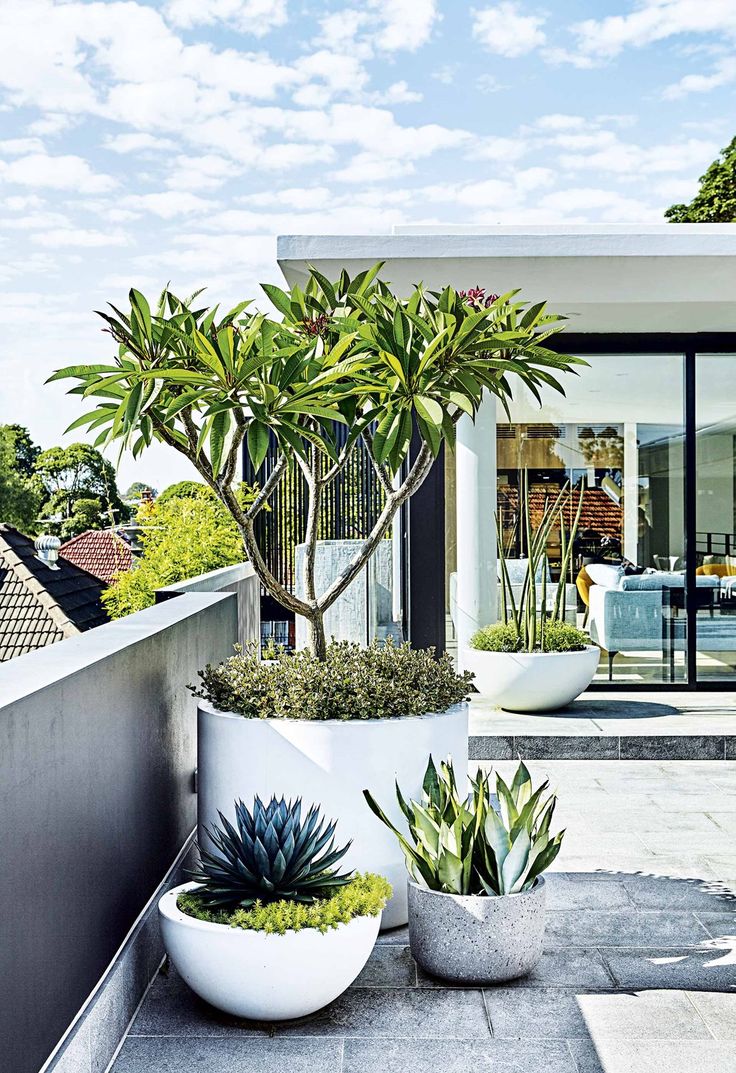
point(80, 490)
point(185, 490)
point(137, 489)
point(26, 451)
point(350, 353)
point(20, 491)
point(181, 538)
point(715, 202)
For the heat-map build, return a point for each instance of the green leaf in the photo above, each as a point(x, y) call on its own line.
point(258, 439)
point(428, 409)
point(516, 861)
point(280, 299)
point(219, 429)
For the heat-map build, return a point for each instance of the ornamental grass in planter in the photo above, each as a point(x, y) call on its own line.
point(269, 929)
point(324, 728)
point(533, 660)
point(475, 864)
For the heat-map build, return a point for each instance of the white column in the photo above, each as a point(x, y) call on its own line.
point(631, 494)
point(476, 527)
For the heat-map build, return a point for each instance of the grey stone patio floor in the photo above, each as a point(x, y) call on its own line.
point(612, 726)
point(638, 975)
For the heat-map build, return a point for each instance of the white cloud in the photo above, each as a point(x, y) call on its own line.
point(168, 204)
point(397, 93)
point(205, 172)
point(18, 146)
point(52, 123)
point(56, 173)
point(506, 30)
point(295, 197)
point(446, 73)
point(723, 74)
point(560, 121)
point(488, 83)
point(654, 20)
point(630, 160)
point(369, 168)
point(39, 220)
point(380, 25)
point(69, 237)
point(21, 203)
point(136, 143)
point(404, 24)
point(248, 16)
point(499, 150)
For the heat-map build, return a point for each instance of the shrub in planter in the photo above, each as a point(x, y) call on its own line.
point(533, 660)
point(476, 892)
point(557, 637)
point(269, 929)
point(326, 728)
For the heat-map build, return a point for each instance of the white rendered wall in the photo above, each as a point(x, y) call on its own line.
point(476, 529)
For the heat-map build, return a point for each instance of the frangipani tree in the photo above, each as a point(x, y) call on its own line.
point(347, 353)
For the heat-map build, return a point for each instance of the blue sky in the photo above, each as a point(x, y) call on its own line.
point(145, 142)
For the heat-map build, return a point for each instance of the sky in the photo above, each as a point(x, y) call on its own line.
point(151, 142)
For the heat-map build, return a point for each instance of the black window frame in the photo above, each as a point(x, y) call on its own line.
point(426, 593)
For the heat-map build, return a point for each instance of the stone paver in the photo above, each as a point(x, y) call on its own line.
point(611, 726)
point(639, 970)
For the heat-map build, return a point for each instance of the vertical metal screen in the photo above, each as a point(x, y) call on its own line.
point(350, 508)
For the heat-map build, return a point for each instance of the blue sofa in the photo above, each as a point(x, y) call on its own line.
point(641, 615)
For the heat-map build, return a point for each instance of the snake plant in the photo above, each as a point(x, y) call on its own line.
point(270, 855)
point(476, 845)
point(529, 616)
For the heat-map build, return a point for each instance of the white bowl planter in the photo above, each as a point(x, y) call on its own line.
point(260, 976)
point(330, 763)
point(471, 939)
point(532, 681)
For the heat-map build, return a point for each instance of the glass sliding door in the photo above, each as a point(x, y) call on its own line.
point(617, 439)
point(715, 517)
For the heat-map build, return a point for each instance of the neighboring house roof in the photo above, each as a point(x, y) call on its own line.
point(100, 552)
point(599, 512)
point(38, 605)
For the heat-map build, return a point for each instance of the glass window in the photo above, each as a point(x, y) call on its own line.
point(617, 439)
point(715, 485)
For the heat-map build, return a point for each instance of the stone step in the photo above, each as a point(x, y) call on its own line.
point(598, 726)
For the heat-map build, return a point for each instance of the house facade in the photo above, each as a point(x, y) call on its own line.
point(646, 435)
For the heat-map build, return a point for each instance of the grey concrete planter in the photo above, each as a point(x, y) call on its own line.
point(471, 939)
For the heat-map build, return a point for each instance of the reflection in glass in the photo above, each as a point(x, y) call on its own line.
point(716, 515)
point(617, 437)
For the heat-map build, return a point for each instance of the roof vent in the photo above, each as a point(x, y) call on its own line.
point(47, 550)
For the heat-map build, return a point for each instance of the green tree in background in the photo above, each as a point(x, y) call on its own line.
point(136, 490)
point(181, 538)
point(26, 451)
point(715, 202)
point(80, 490)
point(21, 491)
point(185, 490)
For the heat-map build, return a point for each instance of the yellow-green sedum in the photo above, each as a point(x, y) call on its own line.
point(365, 895)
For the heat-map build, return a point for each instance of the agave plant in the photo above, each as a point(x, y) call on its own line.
point(269, 856)
point(476, 845)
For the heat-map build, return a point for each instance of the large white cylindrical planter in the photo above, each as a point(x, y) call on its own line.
point(330, 763)
point(532, 681)
point(264, 977)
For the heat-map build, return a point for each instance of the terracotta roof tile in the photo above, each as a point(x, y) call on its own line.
point(100, 552)
point(39, 606)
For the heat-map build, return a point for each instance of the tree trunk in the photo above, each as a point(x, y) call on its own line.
point(316, 640)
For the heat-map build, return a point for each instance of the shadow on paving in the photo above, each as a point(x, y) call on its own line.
point(617, 709)
point(639, 971)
